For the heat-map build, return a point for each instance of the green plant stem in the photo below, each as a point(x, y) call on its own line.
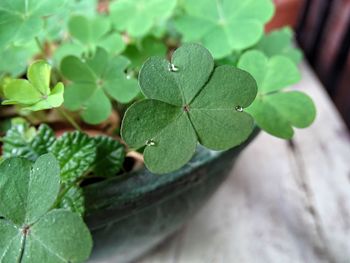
point(69, 119)
point(40, 46)
point(65, 189)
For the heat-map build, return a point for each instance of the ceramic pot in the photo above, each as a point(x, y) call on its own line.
point(129, 217)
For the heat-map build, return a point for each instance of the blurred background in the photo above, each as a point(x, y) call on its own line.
point(323, 32)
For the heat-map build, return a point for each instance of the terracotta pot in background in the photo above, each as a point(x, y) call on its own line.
point(287, 14)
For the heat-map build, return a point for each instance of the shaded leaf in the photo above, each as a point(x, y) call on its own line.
point(110, 155)
point(138, 54)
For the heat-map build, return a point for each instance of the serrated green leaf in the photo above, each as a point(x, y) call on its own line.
point(30, 232)
point(34, 94)
point(21, 20)
point(24, 141)
point(279, 42)
point(75, 152)
point(275, 111)
point(110, 156)
point(223, 26)
point(93, 80)
point(188, 102)
point(138, 17)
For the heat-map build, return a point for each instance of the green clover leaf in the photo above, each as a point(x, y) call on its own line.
point(223, 26)
point(274, 111)
point(93, 81)
point(87, 34)
point(188, 101)
point(30, 230)
point(279, 42)
point(34, 94)
point(21, 20)
point(137, 17)
point(95, 32)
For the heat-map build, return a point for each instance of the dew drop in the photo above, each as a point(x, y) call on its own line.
point(150, 142)
point(239, 108)
point(173, 68)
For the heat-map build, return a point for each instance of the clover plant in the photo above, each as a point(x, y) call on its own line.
point(35, 93)
point(147, 77)
point(188, 100)
point(93, 80)
point(32, 230)
point(273, 110)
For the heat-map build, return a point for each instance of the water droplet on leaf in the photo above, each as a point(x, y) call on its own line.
point(150, 142)
point(173, 68)
point(239, 108)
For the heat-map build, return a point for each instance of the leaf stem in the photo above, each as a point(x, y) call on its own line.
point(69, 119)
point(40, 46)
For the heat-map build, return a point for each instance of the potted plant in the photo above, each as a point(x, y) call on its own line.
point(119, 125)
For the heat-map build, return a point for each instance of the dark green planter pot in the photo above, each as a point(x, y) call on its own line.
point(128, 218)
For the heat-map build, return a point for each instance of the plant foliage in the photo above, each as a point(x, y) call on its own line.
point(34, 94)
point(31, 230)
point(275, 111)
point(93, 80)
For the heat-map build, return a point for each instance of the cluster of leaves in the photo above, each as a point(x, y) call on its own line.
point(189, 100)
point(78, 156)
